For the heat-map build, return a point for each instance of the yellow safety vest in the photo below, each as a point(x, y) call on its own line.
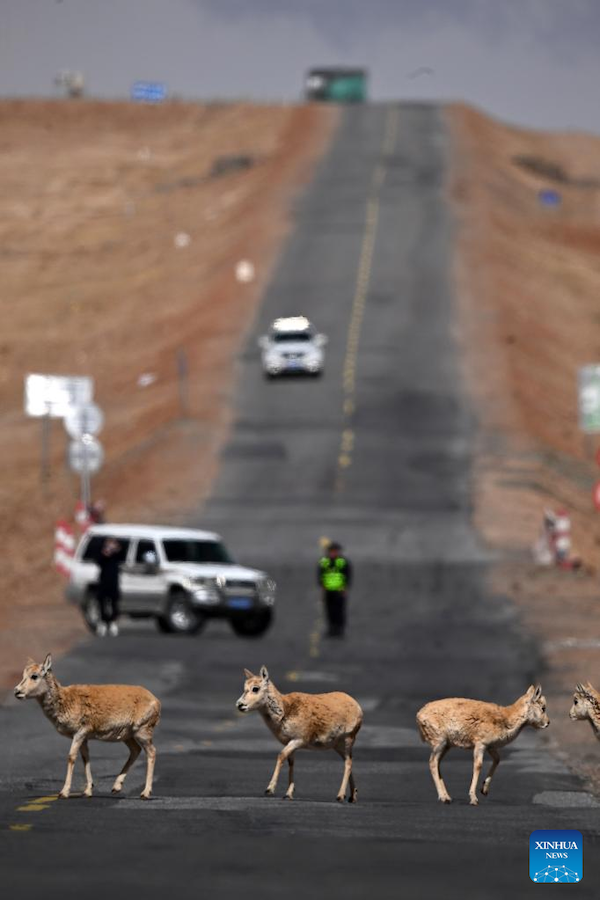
point(333, 576)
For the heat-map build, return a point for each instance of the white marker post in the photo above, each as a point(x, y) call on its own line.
point(50, 397)
point(85, 453)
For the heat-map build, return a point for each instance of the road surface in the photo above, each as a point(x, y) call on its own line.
point(375, 454)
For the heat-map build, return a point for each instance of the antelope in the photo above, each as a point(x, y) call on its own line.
point(304, 721)
point(456, 722)
point(586, 705)
point(102, 712)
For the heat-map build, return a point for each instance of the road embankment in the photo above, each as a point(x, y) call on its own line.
point(528, 281)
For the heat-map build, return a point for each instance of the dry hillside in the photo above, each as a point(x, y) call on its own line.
point(92, 196)
point(528, 281)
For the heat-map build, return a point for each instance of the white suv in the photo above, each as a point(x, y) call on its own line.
point(179, 576)
point(292, 346)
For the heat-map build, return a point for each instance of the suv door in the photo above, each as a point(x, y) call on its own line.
point(142, 583)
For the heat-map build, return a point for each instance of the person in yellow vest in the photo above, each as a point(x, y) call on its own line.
point(335, 577)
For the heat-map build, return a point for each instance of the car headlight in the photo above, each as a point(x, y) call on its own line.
point(202, 590)
point(266, 588)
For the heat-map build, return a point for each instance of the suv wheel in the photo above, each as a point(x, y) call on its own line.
point(251, 624)
point(91, 611)
point(181, 617)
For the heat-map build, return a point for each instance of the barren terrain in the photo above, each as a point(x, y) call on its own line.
point(528, 281)
point(93, 196)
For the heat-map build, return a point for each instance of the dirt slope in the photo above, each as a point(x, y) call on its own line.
point(92, 197)
point(528, 281)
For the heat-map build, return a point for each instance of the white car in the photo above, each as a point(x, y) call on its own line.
point(292, 346)
point(179, 576)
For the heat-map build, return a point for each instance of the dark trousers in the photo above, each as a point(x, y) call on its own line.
point(335, 608)
point(109, 607)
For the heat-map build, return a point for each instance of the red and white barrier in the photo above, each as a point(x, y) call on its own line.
point(553, 547)
point(64, 547)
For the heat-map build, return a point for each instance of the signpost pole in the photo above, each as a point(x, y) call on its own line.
point(182, 372)
point(85, 478)
point(45, 450)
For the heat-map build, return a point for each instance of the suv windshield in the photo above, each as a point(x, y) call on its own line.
point(191, 551)
point(93, 548)
point(279, 337)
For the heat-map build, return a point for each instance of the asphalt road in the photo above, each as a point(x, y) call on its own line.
point(376, 454)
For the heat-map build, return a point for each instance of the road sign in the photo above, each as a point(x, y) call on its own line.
point(85, 455)
point(149, 91)
point(55, 395)
point(549, 197)
point(86, 419)
point(589, 399)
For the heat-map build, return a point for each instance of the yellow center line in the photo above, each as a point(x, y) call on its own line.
point(224, 725)
point(359, 303)
point(357, 313)
point(38, 804)
point(32, 807)
point(314, 640)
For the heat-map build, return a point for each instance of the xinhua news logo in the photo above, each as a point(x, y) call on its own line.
point(556, 857)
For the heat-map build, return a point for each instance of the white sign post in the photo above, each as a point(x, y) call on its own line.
point(589, 399)
point(85, 456)
point(56, 395)
point(49, 397)
point(86, 419)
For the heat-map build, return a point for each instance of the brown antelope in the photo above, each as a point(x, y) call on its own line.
point(305, 721)
point(102, 712)
point(456, 722)
point(586, 705)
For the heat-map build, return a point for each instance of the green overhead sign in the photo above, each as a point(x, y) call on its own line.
point(336, 85)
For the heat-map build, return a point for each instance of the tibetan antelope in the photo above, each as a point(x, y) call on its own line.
point(456, 722)
point(101, 712)
point(304, 721)
point(586, 705)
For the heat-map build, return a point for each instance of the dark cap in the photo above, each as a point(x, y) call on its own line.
point(334, 546)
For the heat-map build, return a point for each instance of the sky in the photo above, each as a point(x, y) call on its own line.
point(531, 62)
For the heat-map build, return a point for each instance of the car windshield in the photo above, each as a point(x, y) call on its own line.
point(192, 551)
point(93, 548)
point(280, 337)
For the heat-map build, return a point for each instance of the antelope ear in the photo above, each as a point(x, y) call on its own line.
point(579, 688)
point(530, 692)
point(46, 666)
point(264, 674)
point(589, 687)
point(538, 692)
point(248, 673)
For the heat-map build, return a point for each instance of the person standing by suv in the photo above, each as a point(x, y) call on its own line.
point(335, 577)
point(109, 593)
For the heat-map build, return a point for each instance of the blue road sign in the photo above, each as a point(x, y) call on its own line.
point(549, 198)
point(149, 91)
